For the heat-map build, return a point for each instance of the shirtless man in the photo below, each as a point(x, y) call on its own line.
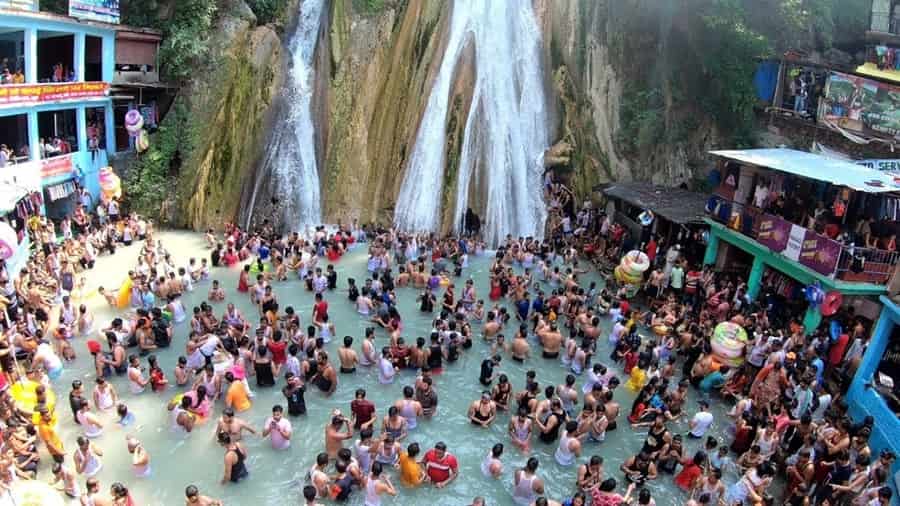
point(334, 437)
point(194, 498)
point(520, 348)
point(233, 425)
point(348, 357)
point(491, 327)
point(551, 340)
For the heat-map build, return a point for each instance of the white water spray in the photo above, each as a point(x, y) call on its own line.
point(290, 164)
point(506, 129)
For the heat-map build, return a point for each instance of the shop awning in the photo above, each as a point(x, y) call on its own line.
point(674, 204)
point(820, 168)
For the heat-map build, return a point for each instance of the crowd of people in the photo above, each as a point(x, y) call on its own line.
point(786, 414)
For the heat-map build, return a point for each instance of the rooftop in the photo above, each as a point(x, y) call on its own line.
point(674, 204)
point(818, 167)
point(58, 18)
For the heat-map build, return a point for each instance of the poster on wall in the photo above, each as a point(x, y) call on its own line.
point(106, 11)
point(773, 232)
point(820, 253)
point(795, 242)
point(22, 5)
point(861, 105)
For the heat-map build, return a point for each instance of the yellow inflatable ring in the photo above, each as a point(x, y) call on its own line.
point(198, 420)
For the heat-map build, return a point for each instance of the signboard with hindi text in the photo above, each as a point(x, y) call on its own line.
point(37, 170)
point(33, 94)
point(22, 5)
point(820, 253)
point(106, 11)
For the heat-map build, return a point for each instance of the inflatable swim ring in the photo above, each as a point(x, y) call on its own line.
point(728, 343)
point(661, 330)
point(24, 393)
point(142, 142)
point(34, 493)
point(134, 122)
point(623, 277)
point(832, 303)
point(445, 281)
point(635, 263)
point(254, 268)
point(646, 218)
point(167, 315)
point(123, 297)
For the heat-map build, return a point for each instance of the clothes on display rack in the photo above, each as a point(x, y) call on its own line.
point(61, 191)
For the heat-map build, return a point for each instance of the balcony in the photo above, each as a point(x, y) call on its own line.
point(884, 27)
point(815, 251)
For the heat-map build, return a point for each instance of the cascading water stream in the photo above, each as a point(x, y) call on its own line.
point(289, 167)
point(506, 130)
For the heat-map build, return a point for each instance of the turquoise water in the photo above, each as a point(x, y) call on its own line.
point(276, 477)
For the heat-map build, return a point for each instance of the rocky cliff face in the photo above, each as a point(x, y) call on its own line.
point(619, 114)
point(231, 104)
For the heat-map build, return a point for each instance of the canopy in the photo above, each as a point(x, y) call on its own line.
point(820, 168)
point(674, 204)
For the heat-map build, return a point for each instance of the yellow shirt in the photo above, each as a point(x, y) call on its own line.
point(637, 379)
point(237, 397)
point(410, 472)
point(49, 435)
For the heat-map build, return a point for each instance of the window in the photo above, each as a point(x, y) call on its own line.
point(14, 135)
point(12, 57)
point(56, 57)
point(58, 134)
point(93, 58)
point(96, 128)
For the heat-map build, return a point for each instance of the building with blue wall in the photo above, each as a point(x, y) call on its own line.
point(62, 70)
point(864, 399)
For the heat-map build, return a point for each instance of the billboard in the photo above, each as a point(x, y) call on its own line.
point(24, 5)
point(106, 11)
point(861, 106)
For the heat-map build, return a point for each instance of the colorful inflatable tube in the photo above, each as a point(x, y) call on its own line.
point(728, 343)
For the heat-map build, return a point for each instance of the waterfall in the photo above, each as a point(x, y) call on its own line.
point(506, 129)
point(289, 168)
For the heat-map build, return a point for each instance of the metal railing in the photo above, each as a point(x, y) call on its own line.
point(856, 264)
point(867, 264)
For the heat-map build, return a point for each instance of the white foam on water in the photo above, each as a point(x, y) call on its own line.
point(506, 130)
point(291, 154)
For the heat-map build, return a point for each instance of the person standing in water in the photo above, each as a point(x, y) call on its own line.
point(235, 459)
point(376, 485)
point(193, 497)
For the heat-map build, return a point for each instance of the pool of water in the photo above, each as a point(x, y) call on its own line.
point(276, 477)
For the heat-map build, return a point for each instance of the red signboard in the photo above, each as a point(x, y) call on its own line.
point(27, 94)
point(56, 166)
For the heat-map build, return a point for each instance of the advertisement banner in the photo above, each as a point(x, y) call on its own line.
point(23, 5)
point(890, 165)
point(773, 232)
point(861, 106)
point(105, 11)
point(32, 94)
point(45, 169)
point(795, 242)
point(56, 166)
point(820, 253)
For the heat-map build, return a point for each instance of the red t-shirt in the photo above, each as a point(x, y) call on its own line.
point(624, 306)
point(363, 409)
point(277, 349)
point(686, 477)
point(439, 469)
point(320, 310)
point(836, 353)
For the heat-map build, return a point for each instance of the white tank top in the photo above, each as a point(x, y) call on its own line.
point(90, 430)
point(564, 456)
point(407, 411)
point(523, 493)
point(135, 387)
point(92, 464)
point(372, 498)
point(363, 456)
point(486, 464)
point(104, 399)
